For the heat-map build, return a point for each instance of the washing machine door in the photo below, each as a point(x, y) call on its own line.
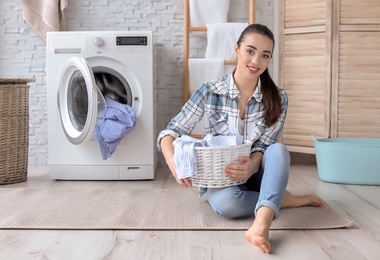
point(80, 102)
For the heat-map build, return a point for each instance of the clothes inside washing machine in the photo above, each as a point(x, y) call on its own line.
point(118, 121)
point(112, 87)
point(114, 121)
point(119, 118)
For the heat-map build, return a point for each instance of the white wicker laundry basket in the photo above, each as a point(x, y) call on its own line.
point(211, 162)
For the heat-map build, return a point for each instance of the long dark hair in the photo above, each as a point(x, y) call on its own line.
point(271, 96)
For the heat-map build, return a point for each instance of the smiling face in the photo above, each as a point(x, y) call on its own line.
point(253, 55)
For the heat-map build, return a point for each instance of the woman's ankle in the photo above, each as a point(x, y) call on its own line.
point(264, 216)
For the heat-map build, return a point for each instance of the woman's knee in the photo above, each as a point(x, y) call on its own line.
point(278, 151)
point(276, 160)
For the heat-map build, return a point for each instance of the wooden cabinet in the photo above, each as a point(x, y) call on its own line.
point(330, 68)
point(356, 69)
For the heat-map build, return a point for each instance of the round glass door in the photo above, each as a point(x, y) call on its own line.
point(80, 101)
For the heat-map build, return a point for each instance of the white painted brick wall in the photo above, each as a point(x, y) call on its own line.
point(22, 51)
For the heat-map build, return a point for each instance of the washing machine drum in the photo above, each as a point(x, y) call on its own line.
point(111, 86)
point(81, 97)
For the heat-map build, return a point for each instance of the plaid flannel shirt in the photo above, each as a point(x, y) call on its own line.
point(217, 102)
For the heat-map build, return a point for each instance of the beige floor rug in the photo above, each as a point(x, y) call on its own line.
point(158, 209)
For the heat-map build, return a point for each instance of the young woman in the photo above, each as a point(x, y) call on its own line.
point(246, 102)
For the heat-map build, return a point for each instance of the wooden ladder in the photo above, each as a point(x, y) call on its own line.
point(186, 36)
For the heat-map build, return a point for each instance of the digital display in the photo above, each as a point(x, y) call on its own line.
point(131, 40)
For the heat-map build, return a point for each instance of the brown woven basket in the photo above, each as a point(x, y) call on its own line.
point(14, 129)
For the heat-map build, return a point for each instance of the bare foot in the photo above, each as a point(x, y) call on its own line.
point(259, 239)
point(292, 201)
point(258, 233)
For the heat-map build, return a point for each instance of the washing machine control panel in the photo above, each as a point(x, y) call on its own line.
point(131, 40)
point(119, 43)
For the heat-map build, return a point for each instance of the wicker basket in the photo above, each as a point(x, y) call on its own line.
point(211, 162)
point(14, 130)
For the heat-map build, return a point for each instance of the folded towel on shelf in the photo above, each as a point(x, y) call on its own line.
point(118, 121)
point(185, 160)
point(211, 11)
point(221, 39)
point(201, 70)
point(45, 15)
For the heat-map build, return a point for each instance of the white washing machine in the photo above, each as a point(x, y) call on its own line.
point(125, 60)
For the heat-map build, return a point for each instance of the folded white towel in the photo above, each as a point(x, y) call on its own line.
point(201, 70)
point(221, 39)
point(45, 15)
point(203, 12)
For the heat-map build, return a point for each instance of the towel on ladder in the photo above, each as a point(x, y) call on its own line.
point(203, 12)
point(221, 39)
point(202, 70)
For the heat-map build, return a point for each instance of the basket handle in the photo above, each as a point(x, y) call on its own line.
point(315, 140)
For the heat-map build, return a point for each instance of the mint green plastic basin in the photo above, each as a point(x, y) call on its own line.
point(348, 160)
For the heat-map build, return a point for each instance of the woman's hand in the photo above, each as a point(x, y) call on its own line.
point(168, 151)
point(244, 167)
point(241, 170)
point(183, 182)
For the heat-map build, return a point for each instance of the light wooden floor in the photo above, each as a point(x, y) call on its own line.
point(360, 203)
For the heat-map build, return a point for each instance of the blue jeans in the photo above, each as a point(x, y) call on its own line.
point(264, 188)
